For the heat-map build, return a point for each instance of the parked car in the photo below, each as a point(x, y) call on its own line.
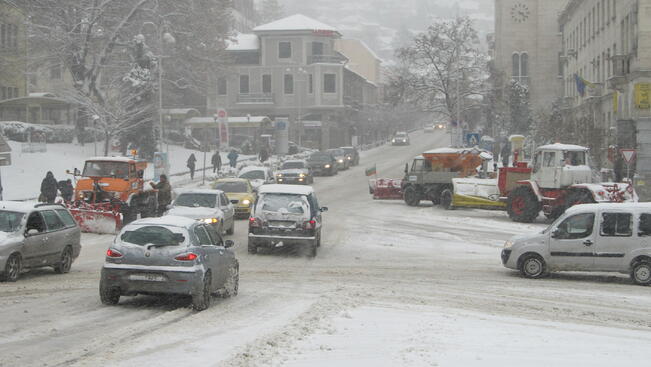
point(240, 193)
point(428, 129)
point(36, 236)
point(439, 126)
point(322, 164)
point(589, 237)
point(209, 206)
point(340, 157)
point(286, 215)
point(257, 175)
point(352, 154)
point(169, 255)
point(401, 138)
point(294, 172)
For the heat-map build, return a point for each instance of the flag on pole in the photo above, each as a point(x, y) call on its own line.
point(581, 84)
point(371, 171)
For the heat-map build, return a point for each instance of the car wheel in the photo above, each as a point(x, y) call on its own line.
point(109, 296)
point(641, 272)
point(13, 267)
point(312, 249)
point(233, 282)
point(318, 240)
point(532, 266)
point(411, 196)
point(252, 247)
point(65, 262)
point(231, 230)
point(201, 299)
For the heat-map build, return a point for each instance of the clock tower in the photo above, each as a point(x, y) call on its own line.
point(527, 46)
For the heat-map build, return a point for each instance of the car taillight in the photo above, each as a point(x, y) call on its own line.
point(186, 257)
point(254, 222)
point(113, 253)
point(311, 224)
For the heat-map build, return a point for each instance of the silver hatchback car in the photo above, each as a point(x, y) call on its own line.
point(34, 236)
point(169, 255)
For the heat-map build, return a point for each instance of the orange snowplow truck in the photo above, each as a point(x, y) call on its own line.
point(111, 192)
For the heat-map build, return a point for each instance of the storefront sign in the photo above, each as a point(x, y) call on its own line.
point(642, 97)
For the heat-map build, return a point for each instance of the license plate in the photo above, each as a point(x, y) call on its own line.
point(147, 277)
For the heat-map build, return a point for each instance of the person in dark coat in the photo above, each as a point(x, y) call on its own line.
point(66, 189)
point(232, 158)
point(216, 161)
point(49, 188)
point(264, 154)
point(164, 194)
point(191, 165)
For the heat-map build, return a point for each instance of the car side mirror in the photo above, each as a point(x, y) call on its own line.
point(229, 243)
point(324, 209)
point(556, 233)
point(31, 232)
point(141, 174)
point(406, 168)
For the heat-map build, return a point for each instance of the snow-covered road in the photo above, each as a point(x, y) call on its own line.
point(392, 285)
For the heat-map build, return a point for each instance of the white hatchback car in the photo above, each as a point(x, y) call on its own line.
point(209, 206)
point(607, 237)
point(257, 175)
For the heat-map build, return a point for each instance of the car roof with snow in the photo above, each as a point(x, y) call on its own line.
point(25, 207)
point(285, 189)
point(252, 168)
point(294, 161)
point(232, 179)
point(166, 220)
point(563, 147)
point(582, 208)
point(198, 191)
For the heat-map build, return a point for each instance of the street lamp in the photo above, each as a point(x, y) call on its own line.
point(299, 118)
point(95, 119)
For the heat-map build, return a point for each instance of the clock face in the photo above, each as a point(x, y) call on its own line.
point(520, 12)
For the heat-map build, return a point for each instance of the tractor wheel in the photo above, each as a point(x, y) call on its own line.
point(411, 196)
point(446, 199)
point(577, 197)
point(522, 205)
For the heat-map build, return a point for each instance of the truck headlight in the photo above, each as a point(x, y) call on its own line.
point(341, 161)
point(246, 202)
point(508, 244)
point(301, 175)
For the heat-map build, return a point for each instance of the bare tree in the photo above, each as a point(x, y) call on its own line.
point(271, 10)
point(442, 68)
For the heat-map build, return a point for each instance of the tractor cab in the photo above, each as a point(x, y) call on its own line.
point(561, 165)
point(110, 178)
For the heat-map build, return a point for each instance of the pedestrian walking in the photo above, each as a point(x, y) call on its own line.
point(49, 188)
point(66, 189)
point(191, 164)
point(164, 194)
point(216, 161)
point(264, 154)
point(232, 158)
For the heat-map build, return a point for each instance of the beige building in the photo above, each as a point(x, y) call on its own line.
point(607, 44)
point(527, 46)
point(361, 59)
point(13, 51)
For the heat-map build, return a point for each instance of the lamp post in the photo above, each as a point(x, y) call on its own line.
point(95, 119)
point(299, 117)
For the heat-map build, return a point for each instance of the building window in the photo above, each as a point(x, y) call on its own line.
point(310, 84)
point(3, 93)
point(244, 84)
point(266, 83)
point(288, 84)
point(317, 48)
point(284, 50)
point(222, 86)
point(329, 83)
point(520, 66)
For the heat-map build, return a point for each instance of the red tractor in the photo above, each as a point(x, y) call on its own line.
point(559, 178)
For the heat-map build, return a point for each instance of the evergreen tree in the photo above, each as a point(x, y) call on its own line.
point(271, 10)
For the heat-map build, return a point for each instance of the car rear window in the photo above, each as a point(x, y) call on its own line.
point(156, 235)
point(196, 200)
point(67, 219)
point(253, 175)
point(283, 203)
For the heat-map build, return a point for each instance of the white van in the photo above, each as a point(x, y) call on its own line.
point(589, 237)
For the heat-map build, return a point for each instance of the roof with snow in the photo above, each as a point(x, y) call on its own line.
point(243, 42)
point(297, 22)
point(563, 147)
point(18, 206)
point(166, 221)
point(197, 191)
point(285, 189)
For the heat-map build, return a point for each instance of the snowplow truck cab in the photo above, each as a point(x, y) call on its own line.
point(112, 188)
point(430, 175)
point(560, 177)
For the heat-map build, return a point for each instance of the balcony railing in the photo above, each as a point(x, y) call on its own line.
point(256, 98)
point(325, 59)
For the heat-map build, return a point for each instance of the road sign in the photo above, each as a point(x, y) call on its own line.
point(628, 155)
point(473, 139)
point(221, 113)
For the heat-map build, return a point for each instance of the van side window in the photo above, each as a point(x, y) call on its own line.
point(617, 224)
point(576, 227)
point(644, 228)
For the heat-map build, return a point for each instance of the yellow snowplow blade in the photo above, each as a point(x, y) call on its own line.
point(465, 201)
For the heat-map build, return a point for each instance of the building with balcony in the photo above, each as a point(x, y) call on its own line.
point(526, 46)
point(289, 69)
point(13, 51)
point(605, 44)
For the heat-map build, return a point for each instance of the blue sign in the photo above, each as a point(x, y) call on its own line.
point(281, 125)
point(473, 139)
